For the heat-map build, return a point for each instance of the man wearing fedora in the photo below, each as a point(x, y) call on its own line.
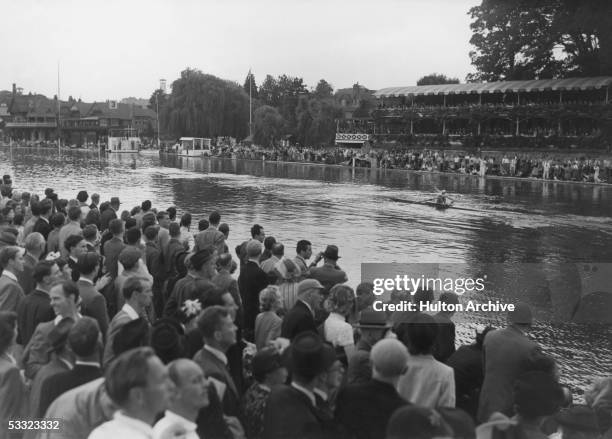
point(373, 327)
point(508, 353)
point(329, 274)
point(291, 411)
point(302, 316)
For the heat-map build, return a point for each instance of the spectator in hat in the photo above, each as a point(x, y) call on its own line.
point(219, 334)
point(138, 382)
point(427, 382)
point(211, 235)
point(329, 274)
point(301, 317)
point(251, 281)
point(11, 293)
point(267, 323)
point(62, 359)
point(201, 267)
point(291, 410)
point(363, 409)
point(64, 301)
point(12, 387)
point(268, 372)
point(36, 306)
point(508, 353)
point(445, 342)
point(34, 249)
point(372, 327)
point(109, 214)
point(412, 422)
point(467, 366)
point(137, 294)
point(85, 342)
point(191, 394)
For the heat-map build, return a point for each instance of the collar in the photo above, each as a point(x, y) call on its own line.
point(308, 306)
point(134, 423)
point(75, 260)
point(336, 316)
point(322, 394)
point(177, 419)
point(131, 312)
point(10, 275)
point(300, 258)
point(60, 317)
point(66, 362)
point(264, 387)
point(45, 219)
point(217, 353)
point(306, 392)
point(254, 260)
point(87, 363)
point(87, 281)
point(40, 290)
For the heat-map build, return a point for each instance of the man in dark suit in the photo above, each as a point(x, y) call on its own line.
point(251, 281)
point(219, 333)
point(43, 226)
point(75, 246)
point(64, 299)
point(301, 317)
point(93, 303)
point(35, 247)
point(85, 342)
point(155, 266)
point(291, 410)
point(113, 247)
point(175, 246)
point(445, 341)
point(109, 214)
point(364, 409)
point(36, 307)
point(508, 353)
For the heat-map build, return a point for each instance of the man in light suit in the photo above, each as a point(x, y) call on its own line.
point(508, 353)
point(64, 301)
point(35, 248)
point(11, 293)
point(138, 294)
point(219, 333)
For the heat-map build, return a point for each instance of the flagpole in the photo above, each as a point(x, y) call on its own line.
point(59, 112)
point(250, 106)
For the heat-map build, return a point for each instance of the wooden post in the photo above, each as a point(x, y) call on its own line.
point(443, 126)
point(560, 96)
point(479, 128)
point(411, 127)
point(517, 126)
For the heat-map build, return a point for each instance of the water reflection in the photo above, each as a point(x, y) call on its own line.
point(513, 222)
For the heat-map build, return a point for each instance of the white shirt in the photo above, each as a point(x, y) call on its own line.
point(427, 382)
point(217, 353)
point(306, 392)
point(10, 275)
point(122, 427)
point(174, 426)
point(131, 312)
point(337, 331)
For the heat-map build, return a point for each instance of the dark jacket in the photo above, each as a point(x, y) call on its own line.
point(112, 249)
point(290, 413)
point(298, 319)
point(445, 341)
point(56, 385)
point(251, 281)
point(34, 309)
point(364, 409)
point(43, 227)
point(469, 374)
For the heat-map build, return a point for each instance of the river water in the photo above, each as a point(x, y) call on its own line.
point(536, 241)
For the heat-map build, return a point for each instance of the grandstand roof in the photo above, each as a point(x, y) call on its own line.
point(498, 87)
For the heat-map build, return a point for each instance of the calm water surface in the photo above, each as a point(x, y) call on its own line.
point(536, 229)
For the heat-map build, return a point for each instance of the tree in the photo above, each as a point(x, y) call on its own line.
point(158, 102)
point(269, 91)
point(437, 78)
point(250, 86)
point(324, 90)
point(522, 39)
point(203, 105)
point(268, 125)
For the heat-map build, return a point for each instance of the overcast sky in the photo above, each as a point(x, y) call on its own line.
point(112, 49)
